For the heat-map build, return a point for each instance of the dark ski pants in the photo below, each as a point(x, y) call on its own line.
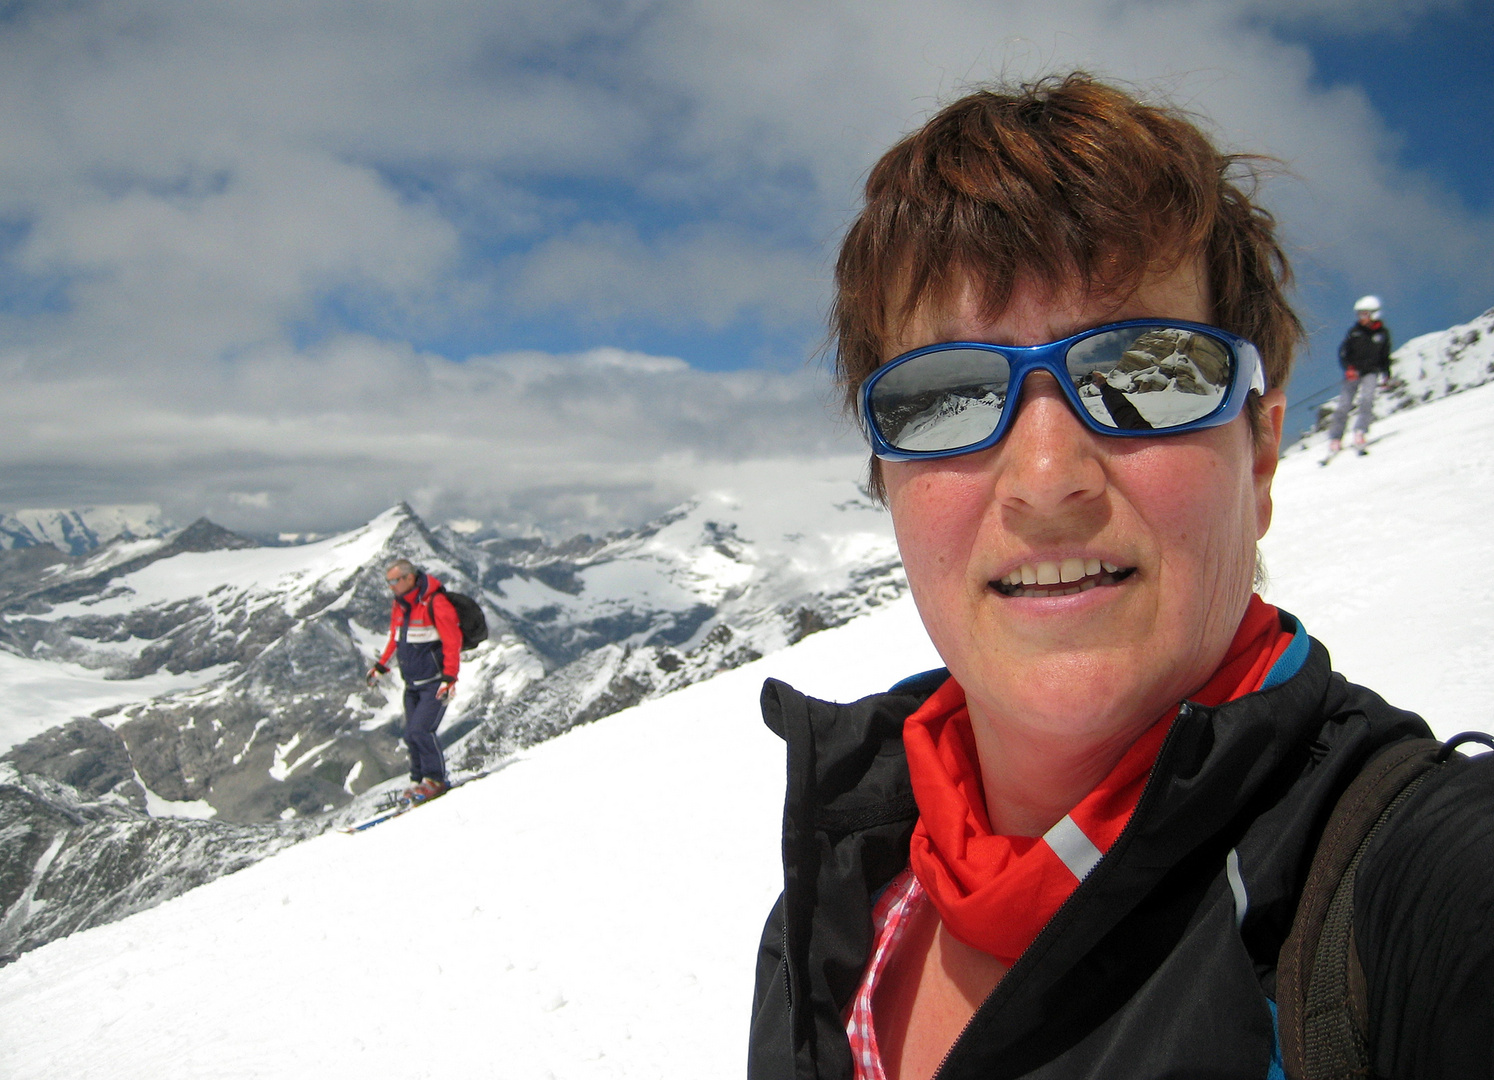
point(423, 713)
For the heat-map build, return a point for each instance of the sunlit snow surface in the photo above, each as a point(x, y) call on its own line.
point(1384, 558)
point(593, 909)
point(39, 694)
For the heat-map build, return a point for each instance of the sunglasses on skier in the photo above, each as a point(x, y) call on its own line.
point(1143, 377)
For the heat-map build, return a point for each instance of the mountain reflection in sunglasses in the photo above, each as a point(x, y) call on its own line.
point(1144, 377)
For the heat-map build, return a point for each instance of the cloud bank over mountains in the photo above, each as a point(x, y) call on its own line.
point(290, 262)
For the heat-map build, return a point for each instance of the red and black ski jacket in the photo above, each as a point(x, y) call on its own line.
point(1163, 961)
point(424, 630)
point(1366, 349)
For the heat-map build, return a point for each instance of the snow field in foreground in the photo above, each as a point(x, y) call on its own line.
point(593, 910)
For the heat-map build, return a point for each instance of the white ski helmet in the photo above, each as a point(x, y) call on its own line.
point(1368, 303)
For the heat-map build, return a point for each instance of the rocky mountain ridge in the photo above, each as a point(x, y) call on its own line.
point(279, 733)
point(1431, 367)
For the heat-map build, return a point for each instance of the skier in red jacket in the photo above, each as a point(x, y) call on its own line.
point(424, 631)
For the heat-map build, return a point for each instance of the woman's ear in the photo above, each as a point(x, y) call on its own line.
point(1267, 440)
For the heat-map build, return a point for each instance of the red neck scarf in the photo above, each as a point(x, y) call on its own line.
point(995, 893)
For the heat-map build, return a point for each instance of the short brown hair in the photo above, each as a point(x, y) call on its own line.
point(1059, 181)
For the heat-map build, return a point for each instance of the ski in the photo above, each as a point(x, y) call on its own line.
point(392, 810)
point(378, 819)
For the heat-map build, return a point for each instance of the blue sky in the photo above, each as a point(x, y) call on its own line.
point(1430, 77)
point(286, 262)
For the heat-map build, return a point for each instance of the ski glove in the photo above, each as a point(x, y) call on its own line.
point(448, 687)
point(375, 671)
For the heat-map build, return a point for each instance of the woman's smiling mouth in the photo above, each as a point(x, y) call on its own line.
point(1060, 578)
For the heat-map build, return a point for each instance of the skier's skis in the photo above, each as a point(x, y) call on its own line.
point(382, 816)
point(392, 810)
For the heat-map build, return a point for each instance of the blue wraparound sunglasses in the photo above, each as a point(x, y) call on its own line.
point(1145, 377)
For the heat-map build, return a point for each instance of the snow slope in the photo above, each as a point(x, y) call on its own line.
point(1381, 556)
point(1444, 362)
point(592, 910)
point(41, 693)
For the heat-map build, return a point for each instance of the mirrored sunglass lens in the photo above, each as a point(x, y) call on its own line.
point(941, 400)
point(1150, 378)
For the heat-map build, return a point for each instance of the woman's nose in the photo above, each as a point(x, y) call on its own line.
point(1048, 461)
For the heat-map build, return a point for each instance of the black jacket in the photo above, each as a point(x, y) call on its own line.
point(1144, 971)
point(1366, 349)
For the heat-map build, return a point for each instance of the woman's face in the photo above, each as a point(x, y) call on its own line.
point(1176, 516)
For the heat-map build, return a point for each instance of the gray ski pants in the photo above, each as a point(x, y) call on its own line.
point(1365, 386)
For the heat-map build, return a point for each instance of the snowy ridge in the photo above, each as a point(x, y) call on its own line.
point(601, 896)
point(544, 949)
point(1372, 554)
point(734, 575)
point(85, 857)
point(78, 531)
point(1448, 361)
point(200, 675)
point(1431, 367)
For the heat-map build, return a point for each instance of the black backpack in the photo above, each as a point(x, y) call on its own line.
point(470, 618)
point(1320, 988)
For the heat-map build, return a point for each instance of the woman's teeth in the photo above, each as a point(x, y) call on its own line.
point(1070, 575)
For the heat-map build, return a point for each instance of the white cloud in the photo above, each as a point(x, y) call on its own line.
point(707, 277)
point(601, 439)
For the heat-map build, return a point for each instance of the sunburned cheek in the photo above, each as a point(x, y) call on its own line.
point(936, 514)
point(1206, 580)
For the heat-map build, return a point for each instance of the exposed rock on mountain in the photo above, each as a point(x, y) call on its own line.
point(276, 732)
point(70, 863)
point(1433, 366)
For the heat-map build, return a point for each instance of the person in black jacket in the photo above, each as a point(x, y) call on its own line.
point(1364, 356)
point(1076, 850)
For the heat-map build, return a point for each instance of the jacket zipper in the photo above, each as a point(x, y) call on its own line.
point(788, 988)
point(1185, 712)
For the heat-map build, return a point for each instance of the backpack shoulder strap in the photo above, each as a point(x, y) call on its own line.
point(1321, 996)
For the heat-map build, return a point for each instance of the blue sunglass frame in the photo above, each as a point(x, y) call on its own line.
point(1247, 373)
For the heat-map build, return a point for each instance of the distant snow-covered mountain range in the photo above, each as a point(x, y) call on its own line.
point(79, 531)
point(252, 726)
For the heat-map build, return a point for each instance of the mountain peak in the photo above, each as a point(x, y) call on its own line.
point(204, 535)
